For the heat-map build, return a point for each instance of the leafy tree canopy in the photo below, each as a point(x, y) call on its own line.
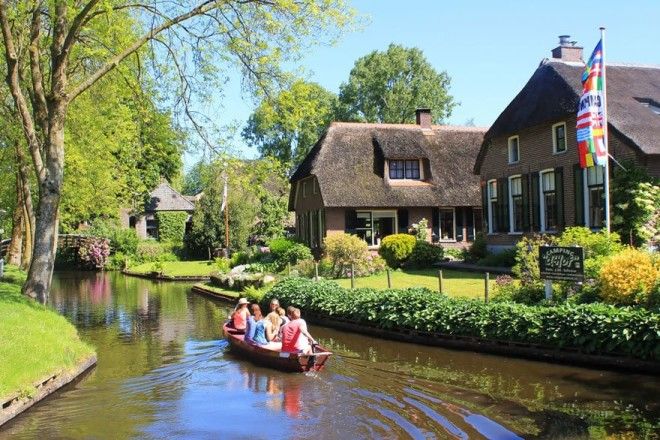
point(388, 86)
point(288, 125)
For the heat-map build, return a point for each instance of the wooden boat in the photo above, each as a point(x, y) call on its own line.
point(280, 360)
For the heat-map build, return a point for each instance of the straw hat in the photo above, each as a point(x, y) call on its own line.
point(243, 301)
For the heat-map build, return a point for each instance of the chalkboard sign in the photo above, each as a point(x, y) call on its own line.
point(561, 263)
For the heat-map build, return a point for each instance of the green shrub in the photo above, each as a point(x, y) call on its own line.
point(425, 254)
point(223, 264)
point(278, 246)
point(344, 250)
point(508, 290)
point(239, 258)
point(629, 277)
point(597, 246)
point(124, 240)
point(505, 258)
point(171, 225)
point(590, 328)
point(150, 250)
point(478, 249)
point(296, 253)
point(397, 248)
point(455, 253)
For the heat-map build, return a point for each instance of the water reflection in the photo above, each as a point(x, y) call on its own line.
point(165, 371)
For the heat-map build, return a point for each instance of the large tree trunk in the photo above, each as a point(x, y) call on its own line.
point(40, 275)
point(14, 252)
point(24, 197)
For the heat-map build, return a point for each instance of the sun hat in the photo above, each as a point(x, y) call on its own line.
point(243, 301)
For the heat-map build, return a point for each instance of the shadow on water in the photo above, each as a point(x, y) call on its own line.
point(164, 371)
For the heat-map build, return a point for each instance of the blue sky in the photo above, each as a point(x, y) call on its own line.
point(489, 48)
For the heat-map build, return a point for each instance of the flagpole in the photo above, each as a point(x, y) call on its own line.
point(606, 179)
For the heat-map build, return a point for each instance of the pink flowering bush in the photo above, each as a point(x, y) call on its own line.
point(94, 252)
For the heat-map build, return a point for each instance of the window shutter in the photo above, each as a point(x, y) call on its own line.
point(524, 182)
point(578, 185)
point(536, 209)
point(503, 204)
point(435, 221)
point(351, 221)
point(484, 203)
point(402, 219)
point(559, 195)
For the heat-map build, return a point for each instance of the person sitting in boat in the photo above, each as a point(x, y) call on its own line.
point(295, 337)
point(274, 304)
point(255, 331)
point(239, 316)
point(272, 324)
point(283, 318)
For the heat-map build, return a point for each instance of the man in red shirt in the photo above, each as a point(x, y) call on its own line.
point(295, 337)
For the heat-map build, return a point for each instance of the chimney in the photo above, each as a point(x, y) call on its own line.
point(567, 50)
point(423, 117)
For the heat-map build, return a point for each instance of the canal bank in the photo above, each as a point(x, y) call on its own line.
point(40, 351)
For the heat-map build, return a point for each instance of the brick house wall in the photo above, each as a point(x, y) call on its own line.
point(536, 154)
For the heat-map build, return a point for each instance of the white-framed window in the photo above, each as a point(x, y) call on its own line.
point(373, 226)
point(514, 149)
point(447, 224)
point(492, 206)
point(548, 200)
point(559, 138)
point(516, 213)
point(404, 169)
point(594, 196)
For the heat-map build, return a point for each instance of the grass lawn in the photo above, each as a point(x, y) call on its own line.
point(35, 341)
point(219, 290)
point(455, 283)
point(179, 268)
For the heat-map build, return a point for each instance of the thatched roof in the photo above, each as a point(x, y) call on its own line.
point(166, 198)
point(553, 92)
point(348, 162)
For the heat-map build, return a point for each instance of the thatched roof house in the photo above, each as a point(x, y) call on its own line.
point(377, 179)
point(528, 163)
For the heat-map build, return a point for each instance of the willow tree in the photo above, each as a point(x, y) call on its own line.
point(42, 37)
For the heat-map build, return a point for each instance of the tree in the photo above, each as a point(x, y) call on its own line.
point(287, 126)
point(388, 87)
point(47, 47)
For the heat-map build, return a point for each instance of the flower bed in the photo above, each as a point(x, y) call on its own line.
point(589, 328)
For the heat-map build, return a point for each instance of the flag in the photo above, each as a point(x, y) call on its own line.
point(591, 117)
point(224, 196)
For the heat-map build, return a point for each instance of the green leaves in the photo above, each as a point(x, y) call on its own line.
point(388, 87)
point(591, 328)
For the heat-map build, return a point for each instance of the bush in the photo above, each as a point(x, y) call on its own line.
point(506, 289)
point(455, 253)
point(239, 258)
point(505, 258)
point(124, 240)
point(149, 251)
point(590, 328)
point(344, 250)
point(629, 278)
point(397, 248)
point(93, 253)
point(295, 253)
point(223, 264)
point(597, 246)
point(278, 246)
point(478, 249)
point(425, 254)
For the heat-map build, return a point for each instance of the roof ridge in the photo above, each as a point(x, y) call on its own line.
point(608, 64)
point(447, 127)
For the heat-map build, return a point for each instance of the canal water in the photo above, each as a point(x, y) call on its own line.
point(164, 371)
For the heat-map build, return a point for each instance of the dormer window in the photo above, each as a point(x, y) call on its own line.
point(514, 149)
point(404, 169)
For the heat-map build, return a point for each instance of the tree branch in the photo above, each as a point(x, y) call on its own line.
point(114, 61)
point(19, 99)
point(39, 96)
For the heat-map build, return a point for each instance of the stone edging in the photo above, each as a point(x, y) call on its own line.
point(502, 348)
point(16, 404)
point(166, 277)
point(213, 294)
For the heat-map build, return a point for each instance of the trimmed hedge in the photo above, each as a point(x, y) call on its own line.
point(591, 328)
